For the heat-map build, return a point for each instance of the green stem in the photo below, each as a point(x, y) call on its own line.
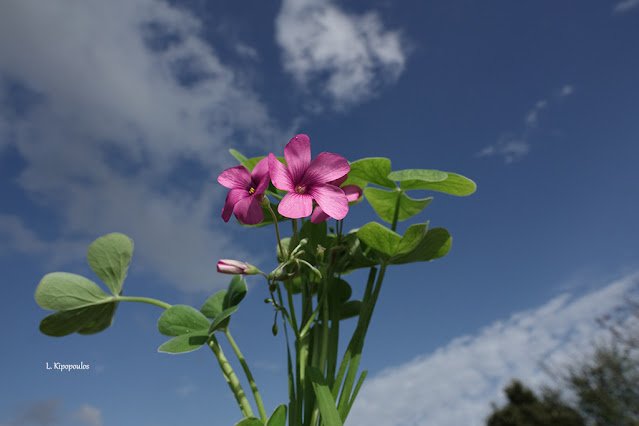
point(277, 230)
point(294, 225)
point(396, 212)
point(148, 300)
point(249, 376)
point(231, 378)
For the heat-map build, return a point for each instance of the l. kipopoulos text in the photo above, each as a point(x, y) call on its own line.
point(58, 366)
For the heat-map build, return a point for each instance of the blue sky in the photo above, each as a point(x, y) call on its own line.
point(117, 116)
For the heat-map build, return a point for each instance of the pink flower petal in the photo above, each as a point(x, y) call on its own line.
point(295, 205)
point(279, 174)
point(235, 177)
point(261, 175)
point(318, 215)
point(249, 211)
point(353, 192)
point(298, 156)
point(232, 198)
point(331, 199)
point(340, 181)
point(260, 169)
point(326, 167)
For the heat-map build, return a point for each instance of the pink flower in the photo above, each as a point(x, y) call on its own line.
point(307, 180)
point(246, 192)
point(353, 193)
point(235, 267)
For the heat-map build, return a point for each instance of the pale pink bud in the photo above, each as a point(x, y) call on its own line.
point(236, 267)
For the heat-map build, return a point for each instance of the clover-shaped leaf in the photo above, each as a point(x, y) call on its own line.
point(214, 305)
point(87, 320)
point(222, 320)
point(235, 293)
point(434, 245)
point(379, 238)
point(423, 175)
point(370, 170)
point(62, 291)
point(184, 343)
point(182, 319)
point(454, 184)
point(385, 203)
point(389, 243)
point(83, 306)
point(109, 256)
point(413, 235)
point(189, 326)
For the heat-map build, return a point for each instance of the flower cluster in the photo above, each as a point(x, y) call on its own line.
point(312, 186)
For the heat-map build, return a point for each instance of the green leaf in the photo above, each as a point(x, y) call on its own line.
point(62, 291)
point(87, 320)
point(330, 415)
point(422, 175)
point(384, 203)
point(411, 238)
point(379, 238)
point(315, 233)
point(435, 244)
point(181, 319)
point(341, 290)
point(350, 309)
point(241, 158)
point(214, 305)
point(454, 184)
point(222, 320)
point(250, 421)
point(371, 170)
point(250, 163)
point(185, 342)
point(235, 293)
point(358, 255)
point(278, 418)
point(109, 256)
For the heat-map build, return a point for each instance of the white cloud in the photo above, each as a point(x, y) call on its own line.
point(511, 149)
point(348, 56)
point(456, 384)
point(246, 51)
point(567, 90)
point(625, 6)
point(50, 413)
point(130, 96)
point(88, 415)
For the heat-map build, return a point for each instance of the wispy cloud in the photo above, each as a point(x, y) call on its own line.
point(455, 384)
point(512, 148)
point(625, 6)
point(51, 413)
point(132, 114)
point(88, 415)
point(346, 56)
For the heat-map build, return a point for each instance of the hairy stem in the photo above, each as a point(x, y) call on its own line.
point(249, 376)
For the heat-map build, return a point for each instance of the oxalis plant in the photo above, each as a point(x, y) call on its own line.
point(307, 290)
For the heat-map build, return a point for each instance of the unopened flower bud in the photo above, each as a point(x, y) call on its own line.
point(236, 267)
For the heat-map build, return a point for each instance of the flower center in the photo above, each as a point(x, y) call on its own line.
point(300, 189)
point(251, 190)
